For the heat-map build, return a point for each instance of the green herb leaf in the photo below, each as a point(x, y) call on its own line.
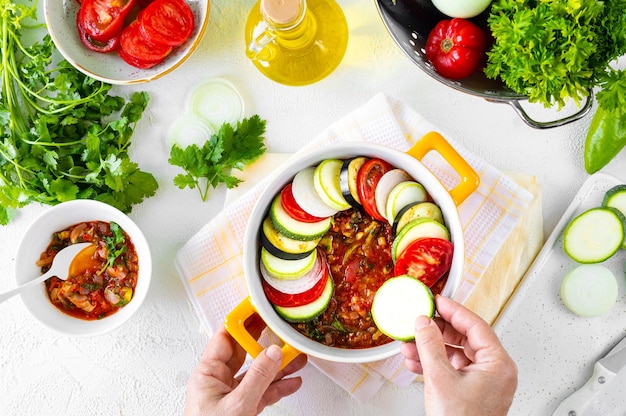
point(211, 164)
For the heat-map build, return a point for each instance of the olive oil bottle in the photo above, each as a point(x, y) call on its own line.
point(296, 42)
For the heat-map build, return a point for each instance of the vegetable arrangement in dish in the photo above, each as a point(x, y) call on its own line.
point(63, 136)
point(592, 237)
point(160, 26)
point(338, 232)
point(101, 280)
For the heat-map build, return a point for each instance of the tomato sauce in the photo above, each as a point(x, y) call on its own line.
point(358, 249)
point(101, 280)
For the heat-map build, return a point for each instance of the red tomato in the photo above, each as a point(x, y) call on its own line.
point(93, 44)
point(167, 22)
point(426, 259)
point(456, 48)
point(279, 298)
point(366, 181)
point(292, 208)
point(138, 51)
point(103, 19)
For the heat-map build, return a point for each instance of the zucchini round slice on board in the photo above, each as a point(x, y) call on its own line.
point(594, 236)
point(589, 290)
point(398, 302)
point(616, 198)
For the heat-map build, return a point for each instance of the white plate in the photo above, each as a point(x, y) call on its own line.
point(554, 349)
point(60, 16)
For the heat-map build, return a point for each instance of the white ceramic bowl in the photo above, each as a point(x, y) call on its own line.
point(259, 301)
point(60, 17)
point(37, 238)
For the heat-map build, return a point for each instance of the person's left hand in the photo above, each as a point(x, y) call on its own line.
point(213, 389)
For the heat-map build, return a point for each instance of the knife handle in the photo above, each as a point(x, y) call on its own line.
point(578, 401)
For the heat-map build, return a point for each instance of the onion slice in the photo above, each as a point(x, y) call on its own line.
point(296, 286)
point(218, 102)
point(190, 129)
point(589, 290)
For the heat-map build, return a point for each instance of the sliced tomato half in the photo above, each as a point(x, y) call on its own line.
point(427, 259)
point(279, 298)
point(366, 181)
point(167, 22)
point(292, 208)
point(103, 19)
point(138, 51)
point(94, 45)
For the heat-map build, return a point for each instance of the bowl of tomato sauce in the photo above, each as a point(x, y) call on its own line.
point(108, 281)
point(126, 41)
point(353, 253)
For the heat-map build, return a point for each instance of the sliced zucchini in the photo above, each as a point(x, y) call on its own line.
point(403, 194)
point(287, 269)
point(284, 244)
point(292, 228)
point(398, 302)
point(616, 198)
point(589, 290)
point(309, 311)
point(595, 235)
point(414, 211)
point(387, 182)
point(303, 189)
point(418, 228)
point(347, 179)
point(326, 183)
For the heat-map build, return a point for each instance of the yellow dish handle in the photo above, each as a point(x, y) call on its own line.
point(469, 178)
point(235, 325)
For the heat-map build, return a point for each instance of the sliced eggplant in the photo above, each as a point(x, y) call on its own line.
point(347, 179)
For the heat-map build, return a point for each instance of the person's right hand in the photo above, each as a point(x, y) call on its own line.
point(478, 377)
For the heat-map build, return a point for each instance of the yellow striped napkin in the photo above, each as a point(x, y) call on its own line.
point(210, 263)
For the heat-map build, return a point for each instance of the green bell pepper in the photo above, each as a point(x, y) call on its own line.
point(605, 139)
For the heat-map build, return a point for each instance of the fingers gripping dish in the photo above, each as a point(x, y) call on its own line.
point(335, 234)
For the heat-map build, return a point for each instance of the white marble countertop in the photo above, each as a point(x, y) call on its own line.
point(142, 368)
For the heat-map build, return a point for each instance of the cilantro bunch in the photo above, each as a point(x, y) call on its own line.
point(553, 50)
point(210, 164)
point(63, 136)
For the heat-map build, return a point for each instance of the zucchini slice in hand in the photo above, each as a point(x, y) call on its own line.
point(398, 302)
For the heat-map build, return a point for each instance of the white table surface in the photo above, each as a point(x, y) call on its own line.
point(142, 368)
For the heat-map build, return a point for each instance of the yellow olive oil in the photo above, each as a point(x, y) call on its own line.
point(296, 42)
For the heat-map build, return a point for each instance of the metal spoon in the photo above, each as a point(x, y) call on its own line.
point(60, 268)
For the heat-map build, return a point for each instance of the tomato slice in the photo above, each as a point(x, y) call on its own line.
point(138, 51)
point(167, 22)
point(279, 298)
point(366, 180)
point(291, 207)
point(94, 45)
point(103, 19)
point(426, 259)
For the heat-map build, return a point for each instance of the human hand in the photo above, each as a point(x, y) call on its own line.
point(213, 389)
point(477, 377)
